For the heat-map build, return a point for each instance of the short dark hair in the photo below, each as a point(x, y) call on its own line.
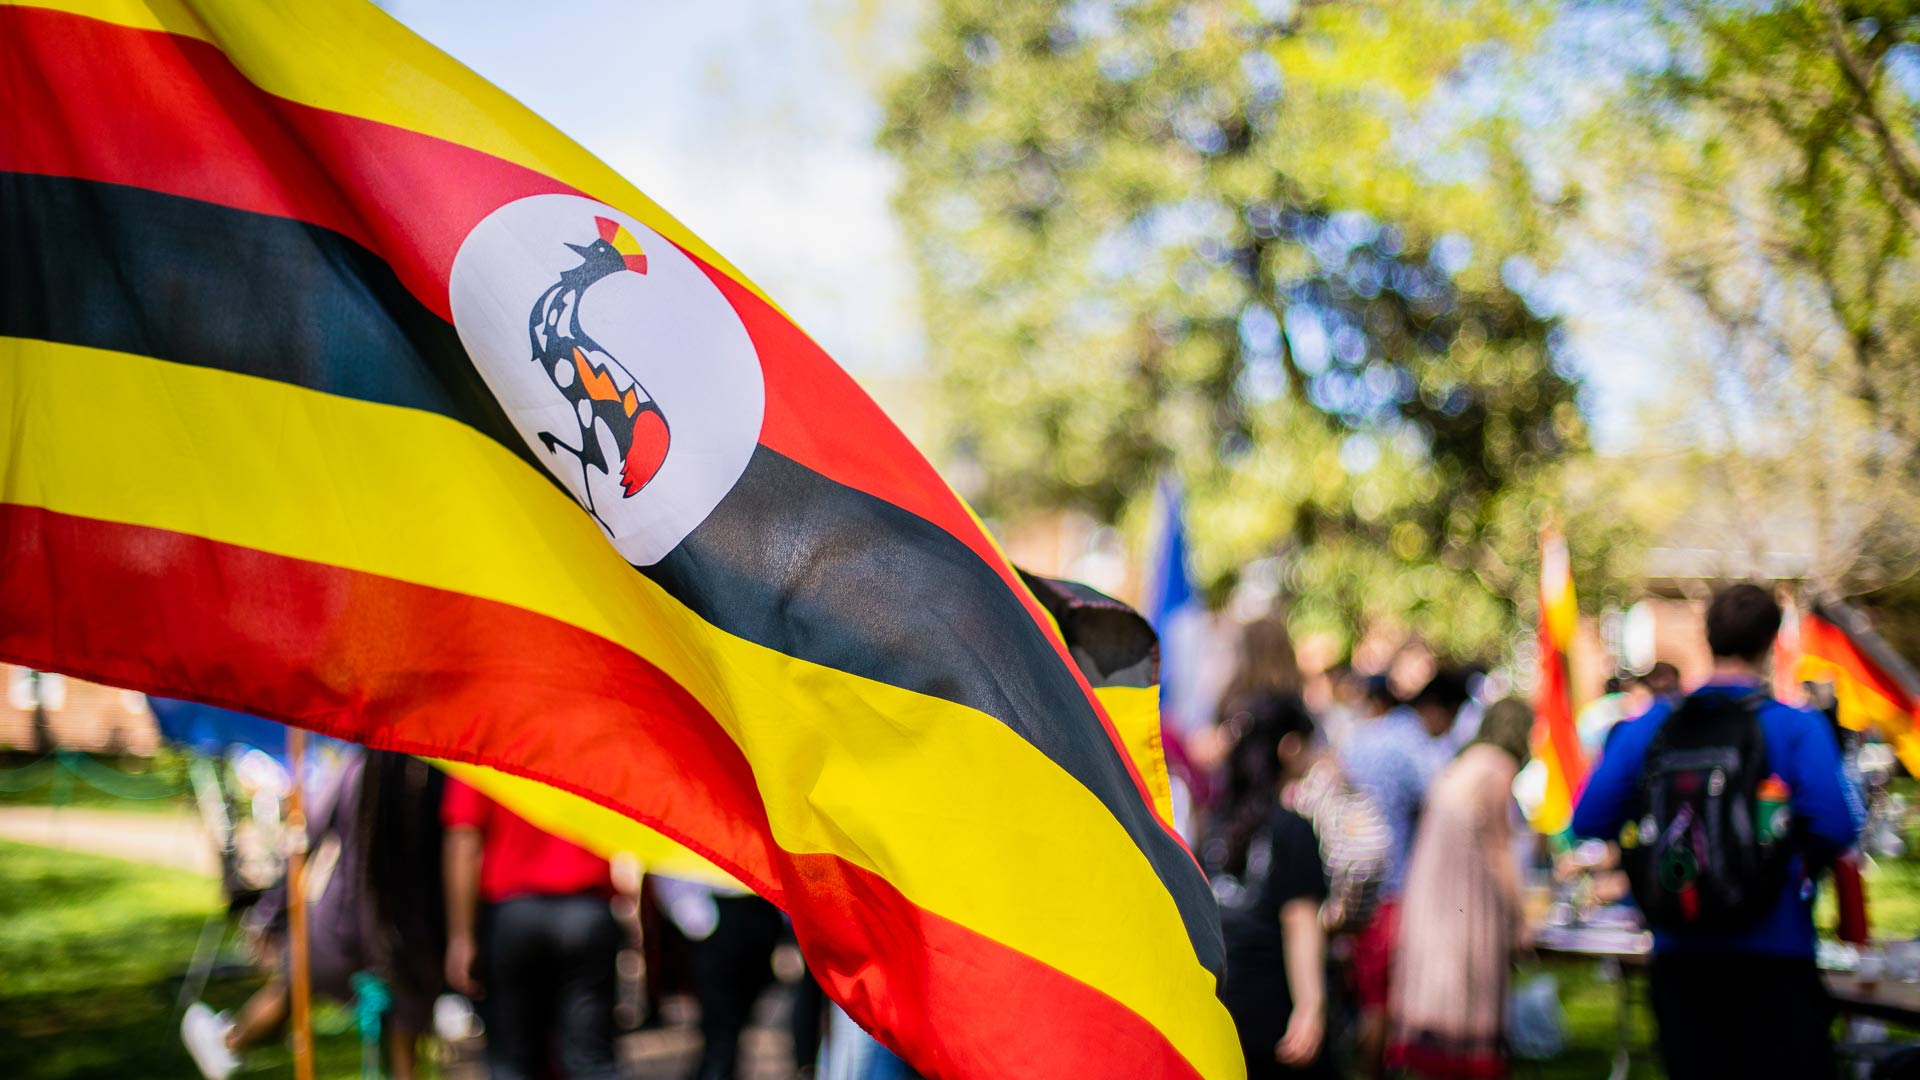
point(1447, 689)
point(1742, 622)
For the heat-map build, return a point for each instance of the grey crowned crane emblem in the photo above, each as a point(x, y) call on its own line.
point(614, 410)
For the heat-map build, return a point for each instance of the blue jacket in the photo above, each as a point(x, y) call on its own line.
point(1802, 752)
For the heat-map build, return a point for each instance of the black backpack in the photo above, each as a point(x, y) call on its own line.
point(1704, 850)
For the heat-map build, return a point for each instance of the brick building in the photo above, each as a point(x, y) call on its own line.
point(80, 715)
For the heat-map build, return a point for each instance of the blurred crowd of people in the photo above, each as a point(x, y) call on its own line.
point(1361, 855)
point(1369, 857)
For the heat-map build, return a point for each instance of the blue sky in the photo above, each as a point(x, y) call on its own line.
point(742, 118)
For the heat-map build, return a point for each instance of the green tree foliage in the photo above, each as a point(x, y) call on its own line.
point(1761, 165)
point(1265, 245)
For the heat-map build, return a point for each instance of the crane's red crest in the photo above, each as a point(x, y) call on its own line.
point(623, 242)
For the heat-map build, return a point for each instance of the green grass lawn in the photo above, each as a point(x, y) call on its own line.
point(91, 950)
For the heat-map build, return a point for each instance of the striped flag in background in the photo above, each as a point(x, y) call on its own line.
point(1875, 688)
point(337, 387)
point(1556, 744)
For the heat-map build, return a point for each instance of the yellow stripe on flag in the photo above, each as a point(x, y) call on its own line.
point(1135, 711)
point(966, 818)
point(1862, 709)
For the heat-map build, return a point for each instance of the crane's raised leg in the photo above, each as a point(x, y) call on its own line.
point(553, 442)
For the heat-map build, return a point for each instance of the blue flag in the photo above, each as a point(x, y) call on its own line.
point(212, 731)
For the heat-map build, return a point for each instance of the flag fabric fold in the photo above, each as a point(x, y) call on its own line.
point(338, 388)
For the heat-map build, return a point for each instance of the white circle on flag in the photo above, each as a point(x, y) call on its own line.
point(624, 368)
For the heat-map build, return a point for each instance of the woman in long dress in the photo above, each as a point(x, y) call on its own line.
point(1461, 912)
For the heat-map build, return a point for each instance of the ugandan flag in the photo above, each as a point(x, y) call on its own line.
point(1876, 689)
point(337, 387)
point(1556, 743)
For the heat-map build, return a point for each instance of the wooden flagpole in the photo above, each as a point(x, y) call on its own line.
point(301, 1021)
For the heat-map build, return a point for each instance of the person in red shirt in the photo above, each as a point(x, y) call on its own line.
point(532, 936)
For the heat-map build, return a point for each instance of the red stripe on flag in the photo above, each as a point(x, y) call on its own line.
point(1022, 1017)
point(427, 671)
point(380, 662)
point(90, 99)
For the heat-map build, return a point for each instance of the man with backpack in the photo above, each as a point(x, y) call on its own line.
point(1726, 806)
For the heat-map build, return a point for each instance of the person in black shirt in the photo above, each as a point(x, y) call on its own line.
point(1265, 865)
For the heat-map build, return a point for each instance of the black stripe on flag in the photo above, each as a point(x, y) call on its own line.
point(790, 559)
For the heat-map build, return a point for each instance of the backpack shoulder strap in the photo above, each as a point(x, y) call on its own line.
point(1752, 703)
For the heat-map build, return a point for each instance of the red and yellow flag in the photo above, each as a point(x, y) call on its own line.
point(1875, 689)
point(337, 387)
point(1556, 743)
